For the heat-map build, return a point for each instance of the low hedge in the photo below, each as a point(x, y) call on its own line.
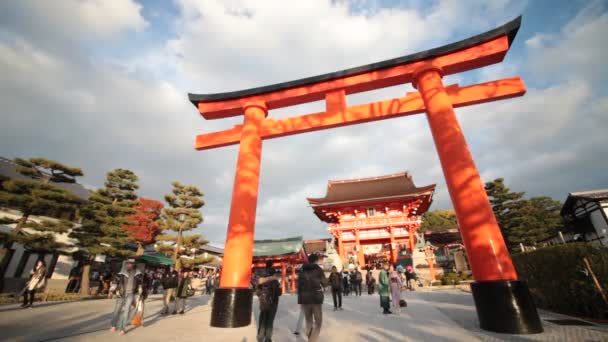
point(453, 278)
point(559, 282)
point(11, 298)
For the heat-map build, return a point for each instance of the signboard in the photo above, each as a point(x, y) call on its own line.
point(372, 249)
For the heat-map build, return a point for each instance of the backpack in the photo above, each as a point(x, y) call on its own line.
point(358, 277)
point(268, 294)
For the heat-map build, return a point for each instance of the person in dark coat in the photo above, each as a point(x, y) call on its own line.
point(345, 282)
point(310, 296)
point(356, 281)
point(268, 291)
point(335, 281)
point(183, 291)
point(370, 281)
point(169, 282)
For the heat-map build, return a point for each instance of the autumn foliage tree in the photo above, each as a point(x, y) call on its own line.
point(142, 226)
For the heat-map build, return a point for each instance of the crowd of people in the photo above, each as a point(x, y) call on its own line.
point(131, 286)
point(312, 284)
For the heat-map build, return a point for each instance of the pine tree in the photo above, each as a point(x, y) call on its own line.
point(532, 220)
point(181, 216)
point(188, 256)
point(525, 221)
point(143, 227)
point(39, 196)
point(104, 217)
point(439, 221)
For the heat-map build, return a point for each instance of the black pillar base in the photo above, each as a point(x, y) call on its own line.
point(231, 307)
point(506, 307)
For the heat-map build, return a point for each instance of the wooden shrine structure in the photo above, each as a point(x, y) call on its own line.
point(373, 212)
point(496, 284)
point(284, 254)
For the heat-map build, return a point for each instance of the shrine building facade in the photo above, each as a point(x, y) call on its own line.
point(374, 217)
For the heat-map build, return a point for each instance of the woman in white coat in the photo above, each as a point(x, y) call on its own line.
point(36, 283)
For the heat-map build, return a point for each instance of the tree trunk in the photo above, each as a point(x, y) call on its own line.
point(178, 245)
point(140, 249)
point(85, 287)
point(21, 223)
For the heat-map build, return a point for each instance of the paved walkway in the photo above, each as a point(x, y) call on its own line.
point(430, 316)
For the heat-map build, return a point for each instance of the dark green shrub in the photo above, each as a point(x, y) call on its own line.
point(558, 281)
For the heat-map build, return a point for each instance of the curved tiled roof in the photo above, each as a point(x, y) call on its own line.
point(364, 189)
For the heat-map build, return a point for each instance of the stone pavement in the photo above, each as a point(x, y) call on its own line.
point(430, 316)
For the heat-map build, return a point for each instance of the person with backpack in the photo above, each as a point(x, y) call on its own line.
point(268, 291)
point(310, 296)
point(358, 280)
point(335, 281)
point(169, 282)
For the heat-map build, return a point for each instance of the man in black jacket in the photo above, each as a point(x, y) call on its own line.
point(335, 281)
point(310, 296)
point(169, 282)
point(268, 291)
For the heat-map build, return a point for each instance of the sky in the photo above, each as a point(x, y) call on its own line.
point(103, 85)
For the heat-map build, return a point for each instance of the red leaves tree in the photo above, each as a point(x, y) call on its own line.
point(143, 227)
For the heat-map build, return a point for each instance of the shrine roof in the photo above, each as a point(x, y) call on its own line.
point(572, 207)
point(278, 247)
point(509, 29)
point(373, 188)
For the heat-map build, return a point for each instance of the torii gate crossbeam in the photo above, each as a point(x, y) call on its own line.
point(503, 302)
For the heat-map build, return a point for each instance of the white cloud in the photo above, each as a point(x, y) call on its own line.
point(98, 115)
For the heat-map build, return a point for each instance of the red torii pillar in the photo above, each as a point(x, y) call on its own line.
point(283, 277)
point(360, 255)
point(503, 302)
point(293, 279)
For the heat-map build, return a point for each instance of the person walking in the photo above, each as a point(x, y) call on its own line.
point(310, 296)
point(128, 282)
point(370, 282)
point(335, 281)
point(183, 291)
point(37, 283)
point(358, 280)
point(169, 282)
point(299, 322)
point(410, 278)
point(383, 289)
point(395, 285)
point(268, 291)
point(345, 282)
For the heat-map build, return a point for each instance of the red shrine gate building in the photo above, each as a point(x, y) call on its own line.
point(367, 215)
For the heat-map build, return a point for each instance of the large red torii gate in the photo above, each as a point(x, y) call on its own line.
point(503, 302)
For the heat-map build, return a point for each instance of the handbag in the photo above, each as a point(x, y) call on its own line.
point(190, 292)
point(138, 317)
